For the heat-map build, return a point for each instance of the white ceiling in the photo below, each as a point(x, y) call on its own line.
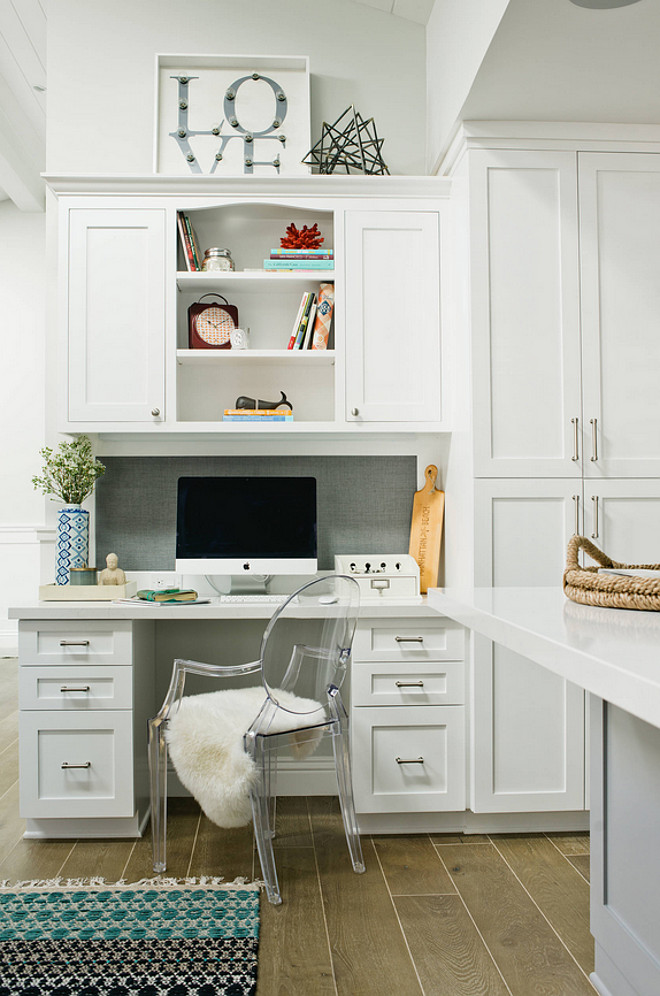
point(22, 107)
point(412, 10)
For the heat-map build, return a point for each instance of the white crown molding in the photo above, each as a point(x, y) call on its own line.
point(26, 534)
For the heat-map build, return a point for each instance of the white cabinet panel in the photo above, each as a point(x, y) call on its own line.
point(525, 313)
point(116, 315)
point(623, 519)
point(393, 371)
point(420, 684)
point(620, 263)
point(527, 745)
point(78, 689)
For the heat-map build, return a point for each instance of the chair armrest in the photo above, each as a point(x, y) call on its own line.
point(183, 667)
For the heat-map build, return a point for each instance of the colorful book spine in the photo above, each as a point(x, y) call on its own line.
point(280, 417)
point(299, 264)
point(324, 311)
point(307, 342)
point(185, 241)
point(193, 243)
point(305, 253)
point(260, 412)
point(304, 321)
point(296, 324)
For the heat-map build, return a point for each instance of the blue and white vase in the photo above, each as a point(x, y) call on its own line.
point(72, 549)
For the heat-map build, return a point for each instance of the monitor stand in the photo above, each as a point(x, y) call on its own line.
point(249, 584)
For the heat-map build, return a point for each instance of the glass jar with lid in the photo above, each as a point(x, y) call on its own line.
point(217, 259)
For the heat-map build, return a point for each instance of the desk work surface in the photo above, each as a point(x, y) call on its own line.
point(612, 653)
point(214, 609)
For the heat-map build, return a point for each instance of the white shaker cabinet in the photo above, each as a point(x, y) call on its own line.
point(620, 270)
point(622, 517)
point(525, 313)
point(392, 262)
point(527, 744)
point(116, 315)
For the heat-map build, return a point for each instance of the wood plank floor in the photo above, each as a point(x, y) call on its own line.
point(433, 915)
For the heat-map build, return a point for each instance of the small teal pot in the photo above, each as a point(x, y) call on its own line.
point(72, 545)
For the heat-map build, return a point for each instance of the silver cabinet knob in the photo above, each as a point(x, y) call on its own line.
point(155, 412)
point(355, 412)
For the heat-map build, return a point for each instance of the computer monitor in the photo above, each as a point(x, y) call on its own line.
point(246, 525)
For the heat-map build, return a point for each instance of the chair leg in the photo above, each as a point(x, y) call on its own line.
point(262, 830)
point(158, 781)
point(341, 749)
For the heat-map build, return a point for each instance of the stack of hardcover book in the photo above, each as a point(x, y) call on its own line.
point(260, 415)
point(300, 259)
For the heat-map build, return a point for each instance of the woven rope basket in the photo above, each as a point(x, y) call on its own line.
point(586, 586)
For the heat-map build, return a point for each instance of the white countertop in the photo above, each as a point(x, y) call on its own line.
point(613, 653)
point(66, 610)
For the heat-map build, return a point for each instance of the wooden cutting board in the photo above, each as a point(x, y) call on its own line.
point(426, 529)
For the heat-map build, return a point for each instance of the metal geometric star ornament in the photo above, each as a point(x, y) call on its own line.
point(349, 145)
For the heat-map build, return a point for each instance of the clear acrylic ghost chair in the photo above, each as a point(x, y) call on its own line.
point(306, 650)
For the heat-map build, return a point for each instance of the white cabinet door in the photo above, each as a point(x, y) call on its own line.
point(525, 314)
point(527, 749)
point(393, 371)
point(116, 315)
point(623, 519)
point(620, 262)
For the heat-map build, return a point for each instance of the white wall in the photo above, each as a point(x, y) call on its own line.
point(22, 345)
point(101, 70)
point(457, 38)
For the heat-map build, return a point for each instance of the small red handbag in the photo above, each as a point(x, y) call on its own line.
point(209, 325)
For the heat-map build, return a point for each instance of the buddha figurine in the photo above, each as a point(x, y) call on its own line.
point(112, 574)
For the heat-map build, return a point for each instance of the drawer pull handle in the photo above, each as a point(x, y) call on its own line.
point(410, 760)
point(84, 764)
point(75, 688)
point(74, 643)
point(409, 639)
point(409, 684)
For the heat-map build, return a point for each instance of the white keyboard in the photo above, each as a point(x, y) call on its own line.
point(252, 599)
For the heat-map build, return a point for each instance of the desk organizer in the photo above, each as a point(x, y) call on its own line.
point(86, 592)
point(382, 575)
point(588, 587)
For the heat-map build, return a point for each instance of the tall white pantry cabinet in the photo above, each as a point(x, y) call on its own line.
point(564, 304)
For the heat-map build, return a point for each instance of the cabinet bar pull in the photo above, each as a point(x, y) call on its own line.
point(576, 439)
point(74, 643)
point(576, 499)
point(74, 688)
point(409, 639)
point(409, 684)
point(410, 760)
point(594, 439)
point(84, 764)
point(594, 499)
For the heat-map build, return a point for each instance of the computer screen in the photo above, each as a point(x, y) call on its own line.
point(246, 525)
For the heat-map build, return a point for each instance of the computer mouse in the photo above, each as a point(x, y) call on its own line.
point(327, 599)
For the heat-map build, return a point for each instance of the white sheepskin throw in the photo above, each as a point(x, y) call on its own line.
point(205, 739)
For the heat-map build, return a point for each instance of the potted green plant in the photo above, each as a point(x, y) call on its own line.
point(69, 474)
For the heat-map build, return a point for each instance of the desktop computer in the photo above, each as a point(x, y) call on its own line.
point(246, 527)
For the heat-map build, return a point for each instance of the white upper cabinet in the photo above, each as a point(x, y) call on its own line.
point(392, 297)
point(116, 316)
point(525, 313)
point(620, 262)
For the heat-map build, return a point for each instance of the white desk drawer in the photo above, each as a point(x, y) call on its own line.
point(76, 765)
point(75, 688)
point(58, 642)
point(409, 759)
point(408, 640)
point(418, 684)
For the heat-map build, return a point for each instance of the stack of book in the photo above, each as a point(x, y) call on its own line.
point(260, 415)
point(311, 329)
point(189, 243)
point(294, 260)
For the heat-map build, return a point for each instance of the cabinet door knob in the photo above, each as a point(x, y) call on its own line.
point(155, 412)
point(355, 412)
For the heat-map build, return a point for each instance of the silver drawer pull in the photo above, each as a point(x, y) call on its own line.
point(409, 684)
point(410, 760)
point(74, 643)
point(85, 764)
point(75, 688)
point(409, 639)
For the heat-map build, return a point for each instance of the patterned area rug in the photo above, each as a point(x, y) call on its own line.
point(129, 941)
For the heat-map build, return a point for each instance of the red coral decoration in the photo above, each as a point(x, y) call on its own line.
point(305, 238)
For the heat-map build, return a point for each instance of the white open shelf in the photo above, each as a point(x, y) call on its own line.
point(285, 357)
point(251, 280)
